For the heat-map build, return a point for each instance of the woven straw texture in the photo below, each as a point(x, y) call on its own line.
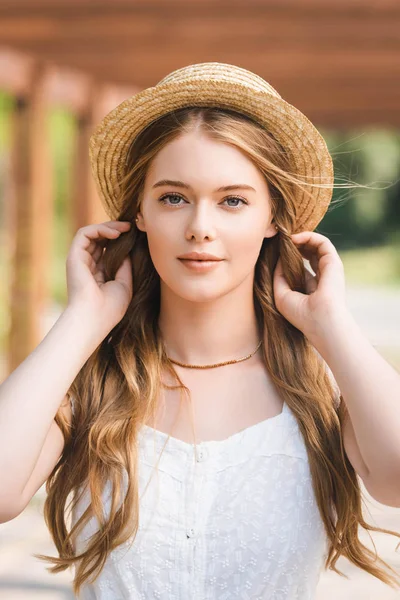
point(225, 86)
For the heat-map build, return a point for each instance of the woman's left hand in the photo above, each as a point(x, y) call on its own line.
point(325, 291)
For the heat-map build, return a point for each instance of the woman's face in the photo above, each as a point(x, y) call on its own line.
point(195, 216)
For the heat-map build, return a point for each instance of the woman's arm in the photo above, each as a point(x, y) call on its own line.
point(370, 387)
point(29, 400)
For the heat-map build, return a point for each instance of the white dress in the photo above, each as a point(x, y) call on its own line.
point(240, 521)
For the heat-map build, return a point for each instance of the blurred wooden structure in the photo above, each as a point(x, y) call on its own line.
point(337, 61)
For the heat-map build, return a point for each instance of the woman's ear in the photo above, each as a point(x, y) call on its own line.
point(271, 230)
point(140, 222)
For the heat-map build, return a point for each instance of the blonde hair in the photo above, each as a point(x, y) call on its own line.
point(118, 388)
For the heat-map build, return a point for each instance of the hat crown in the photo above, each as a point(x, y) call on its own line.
point(217, 71)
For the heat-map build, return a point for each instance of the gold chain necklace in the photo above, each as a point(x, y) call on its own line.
point(228, 362)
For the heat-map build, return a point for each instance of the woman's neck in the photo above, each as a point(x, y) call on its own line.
point(209, 332)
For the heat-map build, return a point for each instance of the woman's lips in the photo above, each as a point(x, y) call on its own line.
point(199, 265)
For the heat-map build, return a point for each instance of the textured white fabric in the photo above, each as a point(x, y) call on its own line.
point(239, 522)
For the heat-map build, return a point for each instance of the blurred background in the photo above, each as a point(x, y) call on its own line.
point(65, 64)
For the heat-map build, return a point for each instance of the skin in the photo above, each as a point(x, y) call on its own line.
point(209, 317)
point(193, 304)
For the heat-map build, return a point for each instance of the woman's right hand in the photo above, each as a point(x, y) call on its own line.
point(104, 303)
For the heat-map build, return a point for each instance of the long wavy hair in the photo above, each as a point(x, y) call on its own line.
point(118, 387)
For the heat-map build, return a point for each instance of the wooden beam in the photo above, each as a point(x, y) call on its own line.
point(272, 27)
point(49, 7)
point(145, 69)
point(318, 92)
point(328, 96)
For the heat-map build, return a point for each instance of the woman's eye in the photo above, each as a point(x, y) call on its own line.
point(163, 199)
point(236, 198)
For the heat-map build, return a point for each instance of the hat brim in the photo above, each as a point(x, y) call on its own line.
point(306, 148)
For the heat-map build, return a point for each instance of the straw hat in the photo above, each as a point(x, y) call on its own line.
point(225, 86)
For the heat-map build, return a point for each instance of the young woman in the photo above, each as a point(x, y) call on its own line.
point(197, 289)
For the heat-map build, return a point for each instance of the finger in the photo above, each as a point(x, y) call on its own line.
point(97, 253)
point(323, 256)
point(311, 282)
point(98, 235)
point(99, 274)
point(98, 229)
point(311, 243)
point(99, 243)
point(115, 224)
point(279, 277)
point(124, 273)
point(123, 224)
point(285, 297)
point(316, 248)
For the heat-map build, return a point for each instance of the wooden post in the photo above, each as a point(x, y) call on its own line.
point(85, 206)
point(31, 219)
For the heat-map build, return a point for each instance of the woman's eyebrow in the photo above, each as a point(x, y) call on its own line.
point(224, 188)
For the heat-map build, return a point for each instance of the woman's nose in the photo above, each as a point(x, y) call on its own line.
point(201, 224)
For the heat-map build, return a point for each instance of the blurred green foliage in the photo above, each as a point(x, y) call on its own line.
point(367, 216)
point(62, 130)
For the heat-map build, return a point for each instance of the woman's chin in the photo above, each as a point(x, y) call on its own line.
point(198, 291)
point(199, 296)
